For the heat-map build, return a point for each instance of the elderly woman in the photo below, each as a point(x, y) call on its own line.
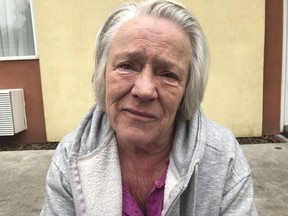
point(146, 148)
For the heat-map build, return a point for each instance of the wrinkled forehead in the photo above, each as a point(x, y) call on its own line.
point(160, 43)
point(152, 31)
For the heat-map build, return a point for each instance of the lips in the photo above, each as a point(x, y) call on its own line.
point(140, 114)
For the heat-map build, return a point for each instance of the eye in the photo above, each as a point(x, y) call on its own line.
point(170, 75)
point(170, 78)
point(126, 66)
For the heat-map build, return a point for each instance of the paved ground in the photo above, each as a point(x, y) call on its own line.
point(22, 179)
point(269, 165)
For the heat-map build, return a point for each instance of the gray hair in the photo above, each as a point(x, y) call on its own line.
point(171, 11)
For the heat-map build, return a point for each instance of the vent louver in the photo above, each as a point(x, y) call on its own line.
point(12, 112)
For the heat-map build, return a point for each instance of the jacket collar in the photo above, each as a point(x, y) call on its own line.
point(187, 152)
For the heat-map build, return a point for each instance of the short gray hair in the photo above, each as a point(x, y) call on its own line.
point(171, 11)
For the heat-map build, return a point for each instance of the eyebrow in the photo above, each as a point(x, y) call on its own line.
point(135, 55)
point(131, 54)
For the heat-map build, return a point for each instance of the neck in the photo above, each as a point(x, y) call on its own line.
point(139, 163)
point(144, 164)
point(141, 168)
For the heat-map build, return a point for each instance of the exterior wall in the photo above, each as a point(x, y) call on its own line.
point(235, 32)
point(26, 75)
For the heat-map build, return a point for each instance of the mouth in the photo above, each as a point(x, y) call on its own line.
point(140, 115)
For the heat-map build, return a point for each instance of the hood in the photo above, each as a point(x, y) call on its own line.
point(187, 152)
point(92, 132)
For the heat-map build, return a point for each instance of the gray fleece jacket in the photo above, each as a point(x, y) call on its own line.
point(207, 174)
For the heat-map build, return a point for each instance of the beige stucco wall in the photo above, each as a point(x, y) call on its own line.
point(66, 33)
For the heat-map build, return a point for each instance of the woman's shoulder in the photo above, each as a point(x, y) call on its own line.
point(63, 150)
point(221, 142)
point(219, 137)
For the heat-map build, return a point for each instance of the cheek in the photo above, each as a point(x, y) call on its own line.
point(172, 97)
point(112, 84)
point(117, 86)
point(111, 93)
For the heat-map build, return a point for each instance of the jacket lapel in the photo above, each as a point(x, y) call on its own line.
point(100, 180)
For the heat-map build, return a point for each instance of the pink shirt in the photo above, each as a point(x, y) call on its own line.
point(154, 202)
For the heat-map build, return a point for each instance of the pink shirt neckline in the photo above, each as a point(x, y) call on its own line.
point(154, 202)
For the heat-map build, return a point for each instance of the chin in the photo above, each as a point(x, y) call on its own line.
point(134, 136)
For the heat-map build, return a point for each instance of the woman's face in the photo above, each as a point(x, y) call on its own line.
point(146, 75)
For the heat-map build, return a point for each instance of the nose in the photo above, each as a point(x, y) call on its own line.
point(145, 86)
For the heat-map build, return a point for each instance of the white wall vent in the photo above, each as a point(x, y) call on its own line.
point(12, 112)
